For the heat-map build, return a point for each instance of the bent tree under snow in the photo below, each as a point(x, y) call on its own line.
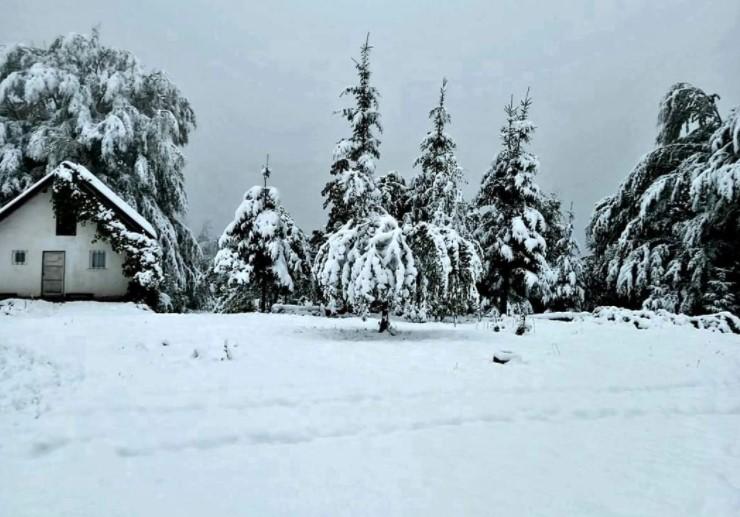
point(365, 262)
point(367, 265)
point(81, 101)
point(668, 237)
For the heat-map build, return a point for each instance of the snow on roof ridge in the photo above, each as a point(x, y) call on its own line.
point(110, 195)
point(98, 185)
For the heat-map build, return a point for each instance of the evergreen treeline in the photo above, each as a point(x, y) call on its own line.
point(667, 239)
point(418, 248)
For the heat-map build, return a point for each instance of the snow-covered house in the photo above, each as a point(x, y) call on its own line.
point(69, 236)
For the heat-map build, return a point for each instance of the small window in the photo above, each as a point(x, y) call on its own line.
point(97, 259)
point(66, 224)
point(19, 257)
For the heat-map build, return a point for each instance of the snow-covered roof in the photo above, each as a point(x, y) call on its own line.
point(69, 167)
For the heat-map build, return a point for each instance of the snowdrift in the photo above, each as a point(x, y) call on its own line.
point(43, 308)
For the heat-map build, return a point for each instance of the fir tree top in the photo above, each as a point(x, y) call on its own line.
point(683, 108)
point(266, 172)
point(438, 189)
point(352, 193)
point(511, 176)
point(364, 116)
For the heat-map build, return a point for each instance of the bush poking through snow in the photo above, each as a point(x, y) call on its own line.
point(523, 326)
point(227, 352)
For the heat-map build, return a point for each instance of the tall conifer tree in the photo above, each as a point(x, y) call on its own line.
point(448, 264)
point(511, 227)
point(365, 263)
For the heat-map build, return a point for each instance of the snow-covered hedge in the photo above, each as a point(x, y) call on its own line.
point(301, 310)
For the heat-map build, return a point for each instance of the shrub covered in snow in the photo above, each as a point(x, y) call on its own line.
point(721, 322)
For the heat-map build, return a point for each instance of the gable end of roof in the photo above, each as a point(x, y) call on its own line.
point(93, 186)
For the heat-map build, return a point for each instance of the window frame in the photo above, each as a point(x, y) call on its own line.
point(98, 253)
point(13, 257)
point(66, 224)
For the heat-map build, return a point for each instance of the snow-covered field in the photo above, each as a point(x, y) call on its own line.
point(109, 410)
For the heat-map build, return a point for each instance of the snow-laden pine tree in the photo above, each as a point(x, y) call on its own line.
point(541, 297)
point(262, 253)
point(365, 263)
point(351, 191)
point(668, 237)
point(97, 106)
point(567, 290)
point(510, 227)
point(437, 190)
point(448, 264)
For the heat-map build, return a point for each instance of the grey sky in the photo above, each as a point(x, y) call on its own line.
point(265, 77)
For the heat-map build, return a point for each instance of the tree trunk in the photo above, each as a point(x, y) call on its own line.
point(263, 298)
point(385, 322)
point(503, 301)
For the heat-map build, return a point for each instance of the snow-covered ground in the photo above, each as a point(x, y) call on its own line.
point(109, 410)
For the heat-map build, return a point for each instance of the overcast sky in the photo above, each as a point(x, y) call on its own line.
point(264, 76)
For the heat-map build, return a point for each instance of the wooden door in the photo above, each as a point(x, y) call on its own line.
point(52, 274)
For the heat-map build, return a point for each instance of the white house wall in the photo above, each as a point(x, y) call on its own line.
point(32, 228)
